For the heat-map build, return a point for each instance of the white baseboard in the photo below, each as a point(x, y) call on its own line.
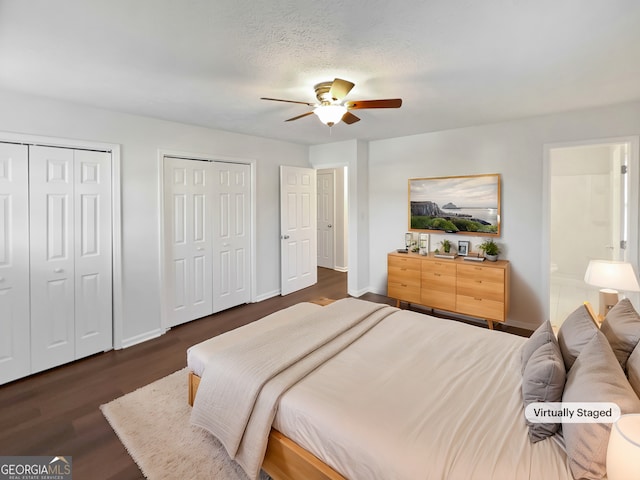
point(266, 296)
point(359, 293)
point(129, 342)
point(341, 269)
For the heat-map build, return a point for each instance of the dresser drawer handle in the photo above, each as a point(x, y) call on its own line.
point(437, 275)
point(403, 284)
point(478, 299)
point(478, 281)
point(403, 269)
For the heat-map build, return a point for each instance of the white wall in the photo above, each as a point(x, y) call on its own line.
point(513, 149)
point(354, 155)
point(140, 139)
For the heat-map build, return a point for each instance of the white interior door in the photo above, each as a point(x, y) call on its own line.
point(188, 239)
point(51, 179)
point(15, 361)
point(326, 235)
point(298, 244)
point(93, 249)
point(232, 235)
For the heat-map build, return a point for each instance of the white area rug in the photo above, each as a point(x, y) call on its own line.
point(153, 424)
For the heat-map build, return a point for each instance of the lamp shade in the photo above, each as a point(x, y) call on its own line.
point(612, 274)
point(330, 114)
point(623, 453)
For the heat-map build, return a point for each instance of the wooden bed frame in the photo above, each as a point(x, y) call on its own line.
point(285, 459)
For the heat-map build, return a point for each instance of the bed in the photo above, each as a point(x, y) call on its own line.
point(407, 396)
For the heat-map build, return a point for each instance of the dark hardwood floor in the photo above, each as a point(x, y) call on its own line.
point(56, 412)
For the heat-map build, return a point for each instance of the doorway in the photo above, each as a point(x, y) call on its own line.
point(590, 216)
point(332, 217)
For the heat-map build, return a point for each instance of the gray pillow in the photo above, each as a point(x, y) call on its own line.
point(576, 331)
point(543, 334)
point(543, 381)
point(621, 326)
point(633, 369)
point(596, 376)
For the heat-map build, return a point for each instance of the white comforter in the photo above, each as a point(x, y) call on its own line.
point(421, 398)
point(418, 397)
point(238, 395)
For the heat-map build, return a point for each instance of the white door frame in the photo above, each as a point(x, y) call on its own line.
point(634, 210)
point(116, 210)
point(209, 157)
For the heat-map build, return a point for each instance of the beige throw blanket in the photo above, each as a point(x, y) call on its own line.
point(238, 395)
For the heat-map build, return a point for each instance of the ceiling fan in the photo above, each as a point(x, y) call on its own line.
point(331, 108)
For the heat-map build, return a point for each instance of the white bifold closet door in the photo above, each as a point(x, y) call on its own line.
point(15, 356)
point(70, 254)
point(206, 237)
point(188, 238)
point(232, 236)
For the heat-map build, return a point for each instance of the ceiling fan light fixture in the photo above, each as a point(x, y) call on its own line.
point(330, 114)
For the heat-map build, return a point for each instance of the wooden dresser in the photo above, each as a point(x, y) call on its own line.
point(476, 289)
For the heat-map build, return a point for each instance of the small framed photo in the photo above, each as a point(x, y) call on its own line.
point(463, 248)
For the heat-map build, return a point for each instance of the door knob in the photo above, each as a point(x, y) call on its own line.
point(285, 237)
point(329, 226)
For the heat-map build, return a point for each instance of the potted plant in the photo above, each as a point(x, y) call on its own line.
point(490, 249)
point(446, 245)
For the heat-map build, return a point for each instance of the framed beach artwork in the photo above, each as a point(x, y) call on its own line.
point(463, 205)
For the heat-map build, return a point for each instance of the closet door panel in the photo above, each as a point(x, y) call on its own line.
point(15, 361)
point(51, 219)
point(92, 252)
point(188, 239)
point(232, 241)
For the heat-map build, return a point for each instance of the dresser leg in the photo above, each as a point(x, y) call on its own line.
point(397, 303)
point(490, 323)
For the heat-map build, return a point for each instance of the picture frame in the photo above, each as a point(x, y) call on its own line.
point(463, 248)
point(465, 205)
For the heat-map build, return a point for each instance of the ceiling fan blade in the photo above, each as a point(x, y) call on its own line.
point(350, 118)
point(299, 116)
point(388, 103)
point(288, 101)
point(340, 88)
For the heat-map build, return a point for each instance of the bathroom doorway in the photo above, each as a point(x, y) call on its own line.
point(591, 216)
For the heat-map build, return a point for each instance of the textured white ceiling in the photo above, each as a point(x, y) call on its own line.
point(207, 62)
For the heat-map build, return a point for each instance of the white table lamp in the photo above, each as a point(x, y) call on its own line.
point(623, 453)
point(611, 276)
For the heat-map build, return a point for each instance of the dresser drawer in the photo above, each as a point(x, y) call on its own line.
point(438, 299)
point(404, 262)
point(404, 275)
point(477, 272)
point(441, 267)
point(478, 287)
point(480, 307)
point(404, 291)
point(438, 281)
